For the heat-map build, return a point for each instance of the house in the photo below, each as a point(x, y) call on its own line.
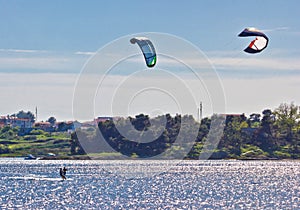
point(76, 124)
point(69, 126)
point(45, 126)
point(88, 124)
point(3, 120)
point(21, 122)
point(16, 122)
point(25, 125)
point(2, 124)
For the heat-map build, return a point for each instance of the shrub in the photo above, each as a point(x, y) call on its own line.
point(280, 154)
point(38, 132)
point(30, 137)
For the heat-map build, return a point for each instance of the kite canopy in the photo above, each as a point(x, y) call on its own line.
point(258, 44)
point(147, 48)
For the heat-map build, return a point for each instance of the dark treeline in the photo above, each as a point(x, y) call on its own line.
point(271, 134)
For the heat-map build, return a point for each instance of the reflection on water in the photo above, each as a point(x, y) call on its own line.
point(150, 184)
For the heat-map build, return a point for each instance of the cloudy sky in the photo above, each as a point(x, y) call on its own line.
point(45, 47)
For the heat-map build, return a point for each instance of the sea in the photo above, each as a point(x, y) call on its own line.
point(149, 184)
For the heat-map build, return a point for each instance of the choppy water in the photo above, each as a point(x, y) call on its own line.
point(150, 185)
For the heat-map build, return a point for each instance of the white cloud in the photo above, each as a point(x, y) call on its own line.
point(84, 53)
point(53, 93)
point(33, 62)
point(22, 51)
point(282, 28)
point(19, 60)
point(279, 62)
point(227, 62)
point(40, 64)
point(270, 64)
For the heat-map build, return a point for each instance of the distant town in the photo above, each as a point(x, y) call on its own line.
point(26, 122)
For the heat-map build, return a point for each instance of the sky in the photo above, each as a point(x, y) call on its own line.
point(45, 47)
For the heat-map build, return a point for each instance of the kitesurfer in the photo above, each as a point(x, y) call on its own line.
point(65, 171)
point(62, 173)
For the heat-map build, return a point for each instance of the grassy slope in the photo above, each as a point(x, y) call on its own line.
point(59, 143)
point(39, 145)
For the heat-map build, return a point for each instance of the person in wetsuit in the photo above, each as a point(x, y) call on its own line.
point(65, 171)
point(62, 173)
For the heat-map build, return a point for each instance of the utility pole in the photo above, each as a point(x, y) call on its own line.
point(200, 112)
point(36, 115)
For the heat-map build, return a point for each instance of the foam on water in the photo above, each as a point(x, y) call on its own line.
point(39, 178)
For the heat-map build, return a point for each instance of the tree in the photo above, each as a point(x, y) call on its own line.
point(140, 122)
point(287, 116)
point(26, 115)
point(232, 138)
point(8, 132)
point(265, 138)
point(52, 120)
point(254, 120)
point(267, 121)
point(287, 122)
point(63, 126)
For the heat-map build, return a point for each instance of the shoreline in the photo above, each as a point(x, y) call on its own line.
point(84, 157)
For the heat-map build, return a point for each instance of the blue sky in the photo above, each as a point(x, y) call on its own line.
point(44, 45)
point(85, 26)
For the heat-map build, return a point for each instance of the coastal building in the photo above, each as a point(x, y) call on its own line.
point(16, 122)
point(2, 124)
point(45, 126)
point(22, 123)
point(25, 125)
point(68, 126)
point(3, 121)
point(87, 124)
